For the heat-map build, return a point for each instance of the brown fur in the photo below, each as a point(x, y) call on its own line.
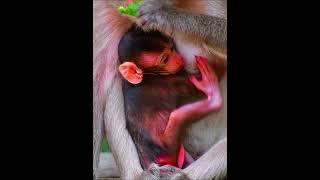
point(191, 5)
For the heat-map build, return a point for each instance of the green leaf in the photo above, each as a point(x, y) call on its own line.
point(131, 9)
point(121, 9)
point(104, 145)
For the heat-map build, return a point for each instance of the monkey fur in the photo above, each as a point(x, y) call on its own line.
point(207, 137)
point(149, 103)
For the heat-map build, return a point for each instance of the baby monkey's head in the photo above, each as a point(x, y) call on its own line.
point(147, 53)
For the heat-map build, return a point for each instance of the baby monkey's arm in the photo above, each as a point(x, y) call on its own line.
point(190, 113)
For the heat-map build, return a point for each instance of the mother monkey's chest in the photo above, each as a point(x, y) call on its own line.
point(202, 134)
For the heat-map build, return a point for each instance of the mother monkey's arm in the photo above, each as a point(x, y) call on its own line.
point(109, 26)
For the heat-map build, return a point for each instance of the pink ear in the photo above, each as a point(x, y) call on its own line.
point(131, 72)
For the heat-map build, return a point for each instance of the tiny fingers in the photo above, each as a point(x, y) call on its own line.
point(205, 64)
point(205, 69)
point(201, 66)
point(192, 78)
point(194, 81)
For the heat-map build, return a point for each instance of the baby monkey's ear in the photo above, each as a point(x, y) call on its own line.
point(131, 72)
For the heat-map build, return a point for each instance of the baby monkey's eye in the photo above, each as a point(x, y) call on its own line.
point(165, 60)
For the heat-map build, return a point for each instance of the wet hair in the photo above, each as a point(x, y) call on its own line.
point(136, 41)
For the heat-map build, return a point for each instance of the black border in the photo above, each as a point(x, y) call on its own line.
point(48, 110)
point(47, 116)
point(271, 83)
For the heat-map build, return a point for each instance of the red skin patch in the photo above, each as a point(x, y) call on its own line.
point(166, 159)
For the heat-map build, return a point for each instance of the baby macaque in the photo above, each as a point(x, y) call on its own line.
point(160, 98)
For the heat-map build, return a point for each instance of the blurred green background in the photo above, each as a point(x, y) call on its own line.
point(104, 145)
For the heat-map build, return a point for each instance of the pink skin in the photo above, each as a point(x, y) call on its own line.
point(186, 114)
point(181, 159)
point(190, 113)
point(173, 65)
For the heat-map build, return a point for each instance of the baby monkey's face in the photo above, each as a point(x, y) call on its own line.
point(165, 62)
point(169, 61)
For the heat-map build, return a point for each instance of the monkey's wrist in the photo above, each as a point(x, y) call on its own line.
point(215, 102)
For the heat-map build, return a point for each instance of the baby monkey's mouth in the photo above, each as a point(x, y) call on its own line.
point(179, 64)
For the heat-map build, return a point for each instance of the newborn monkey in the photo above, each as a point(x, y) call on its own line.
point(160, 99)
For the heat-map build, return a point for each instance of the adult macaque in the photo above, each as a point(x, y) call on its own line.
point(159, 99)
point(198, 28)
point(195, 26)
